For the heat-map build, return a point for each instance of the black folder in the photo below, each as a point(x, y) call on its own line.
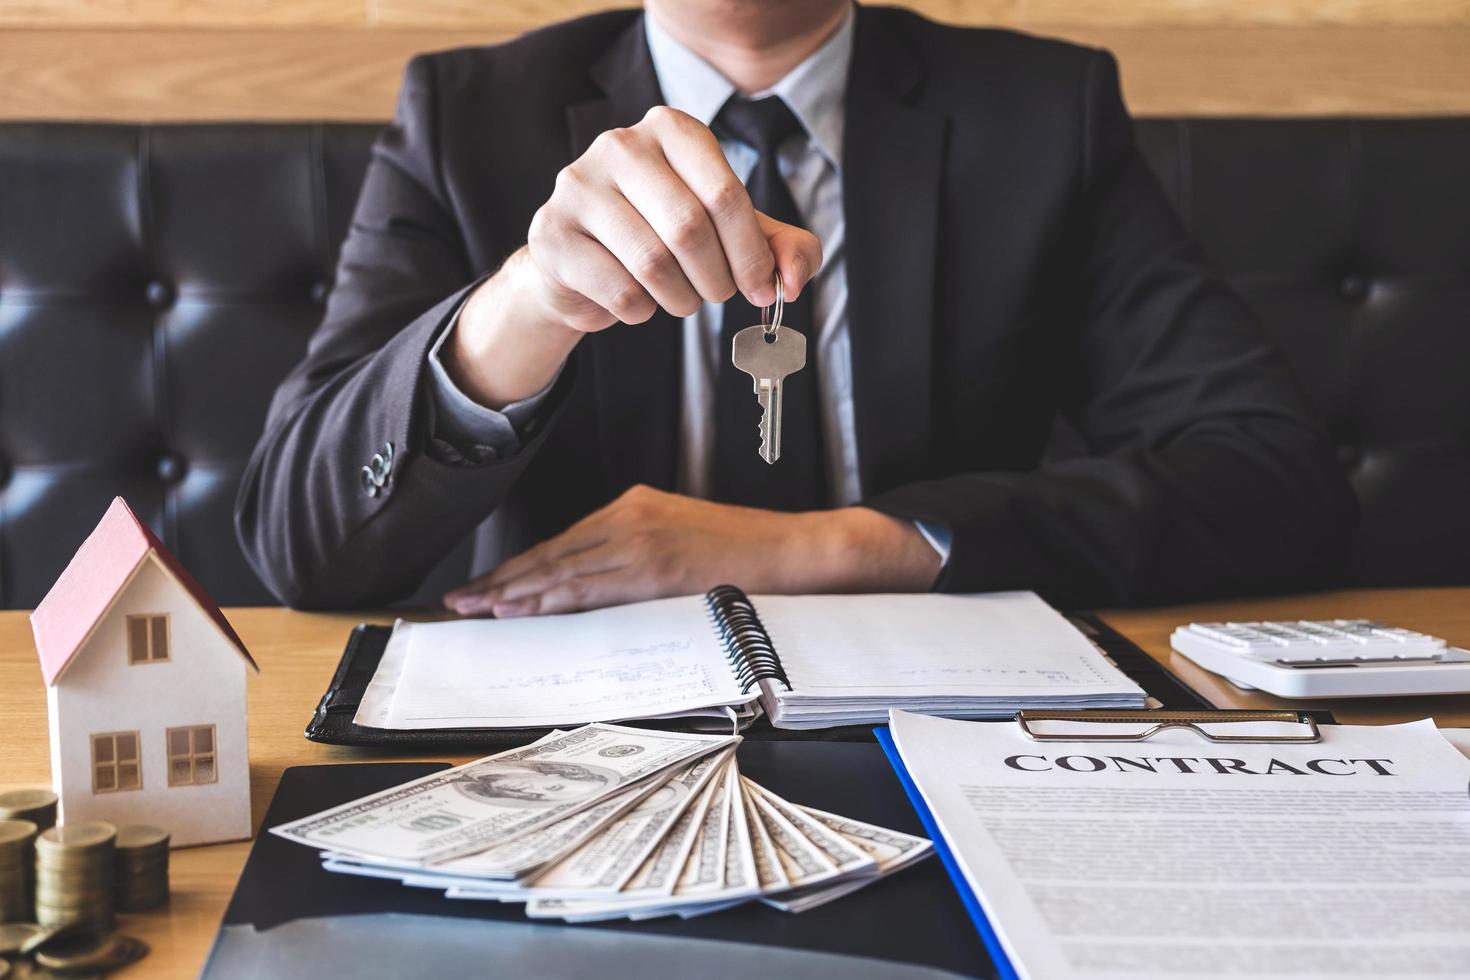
point(913, 918)
point(332, 721)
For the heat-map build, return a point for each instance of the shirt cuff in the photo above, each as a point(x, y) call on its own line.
point(940, 538)
point(459, 420)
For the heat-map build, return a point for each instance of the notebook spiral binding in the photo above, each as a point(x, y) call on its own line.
point(748, 646)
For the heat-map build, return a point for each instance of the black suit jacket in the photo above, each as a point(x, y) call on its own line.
point(1010, 258)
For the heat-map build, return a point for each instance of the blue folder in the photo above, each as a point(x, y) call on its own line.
point(1003, 967)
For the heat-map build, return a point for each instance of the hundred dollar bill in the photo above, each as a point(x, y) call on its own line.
point(848, 858)
point(801, 899)
point(892, 849)
point(603, 865)
point(704, 869)
point(509, 864)
point(734, 883)
point(768, 868)
point(741, 877)
point(501, 871)
point(660, 872)
point(495, 800)
point(652, 883)
point(801, 861)
point(739, 880)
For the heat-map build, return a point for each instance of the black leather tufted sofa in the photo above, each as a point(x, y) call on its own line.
point(156, 282)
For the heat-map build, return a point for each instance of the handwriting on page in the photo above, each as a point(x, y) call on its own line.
point(628, 686)
point(618, 663)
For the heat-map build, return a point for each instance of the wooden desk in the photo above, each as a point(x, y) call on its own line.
point(1439, 612)
point(297, 653)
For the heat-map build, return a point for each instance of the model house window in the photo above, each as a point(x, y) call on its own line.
point(191, 755)
point(115, 762)
point(147, 639)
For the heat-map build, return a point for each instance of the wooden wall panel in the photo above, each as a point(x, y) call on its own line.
point(342, 59)
point(510, 16)
point(349, 74)
point(126, 14)
point(486, 13)
point(1195, 12)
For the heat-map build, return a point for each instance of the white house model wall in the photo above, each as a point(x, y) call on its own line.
point(201, 683)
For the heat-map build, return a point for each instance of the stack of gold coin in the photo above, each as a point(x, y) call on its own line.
point(82, 955)
point(140, 879)
point(74, 876)
point(17, 839)
point(36, 805)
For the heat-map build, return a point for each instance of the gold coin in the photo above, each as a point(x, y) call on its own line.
point(92, 920)
point(77, 837)
point(143, 888)
point(94, 870)
point(46, 892)
point(141, 863)
point(86, 955)
point(72, 898)
point(46, 934)
point(94, 865)
point(13, 936)
point(72, 901)
point(16, 833)
point(74, 871)
point(52, 915)
point(131, 869)
point(137, 836)
point(26, 799)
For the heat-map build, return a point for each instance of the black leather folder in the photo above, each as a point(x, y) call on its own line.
point(332, 721)
point(913, 918)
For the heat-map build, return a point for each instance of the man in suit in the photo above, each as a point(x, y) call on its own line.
point(528, 340)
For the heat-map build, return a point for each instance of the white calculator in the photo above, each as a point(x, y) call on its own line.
point(1326, 658)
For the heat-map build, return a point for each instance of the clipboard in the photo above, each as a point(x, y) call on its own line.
point(1140, 725)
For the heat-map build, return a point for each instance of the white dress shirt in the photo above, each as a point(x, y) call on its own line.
point(815, 91)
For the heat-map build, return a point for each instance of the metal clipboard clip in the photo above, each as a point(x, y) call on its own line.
point(1138, 726)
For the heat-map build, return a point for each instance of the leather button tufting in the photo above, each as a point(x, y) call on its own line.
point(160, 294)
point(171, 468)
point(1353, 288)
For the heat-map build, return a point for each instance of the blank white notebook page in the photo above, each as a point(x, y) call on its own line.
point(651, 658)
point(931, 645)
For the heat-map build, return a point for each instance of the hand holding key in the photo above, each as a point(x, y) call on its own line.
point(650, 216)
point(769, 353)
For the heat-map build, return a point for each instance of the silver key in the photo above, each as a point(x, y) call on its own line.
point(769, 357)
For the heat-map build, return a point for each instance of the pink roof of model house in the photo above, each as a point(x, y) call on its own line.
point(92, 581)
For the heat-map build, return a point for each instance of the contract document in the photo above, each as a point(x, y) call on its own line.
point(1178, 857)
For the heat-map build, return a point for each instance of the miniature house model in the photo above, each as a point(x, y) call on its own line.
point(145, 688)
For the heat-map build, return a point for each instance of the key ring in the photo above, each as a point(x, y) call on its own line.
point(772, 322)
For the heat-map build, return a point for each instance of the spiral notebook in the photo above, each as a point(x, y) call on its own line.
point(804, 661)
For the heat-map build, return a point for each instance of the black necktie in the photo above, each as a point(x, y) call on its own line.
point(796, 481)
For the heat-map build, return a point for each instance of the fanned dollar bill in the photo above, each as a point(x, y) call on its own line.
point(607, 822)
point(494, 800)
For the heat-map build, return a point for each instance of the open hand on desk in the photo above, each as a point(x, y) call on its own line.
point(648, 544)
point(650, 216)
